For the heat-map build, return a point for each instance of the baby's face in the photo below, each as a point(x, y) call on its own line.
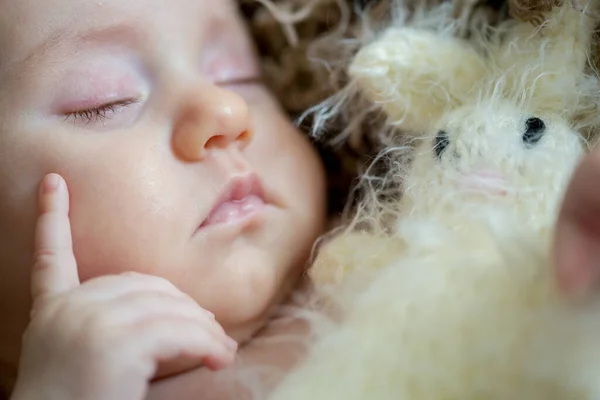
point(152, 112)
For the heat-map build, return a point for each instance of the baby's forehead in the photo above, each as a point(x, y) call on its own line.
point(28, 27)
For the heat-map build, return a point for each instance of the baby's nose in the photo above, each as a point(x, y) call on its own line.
point(208, 119)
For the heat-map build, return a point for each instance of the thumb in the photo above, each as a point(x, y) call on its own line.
point(577, 239)
point(55, 269)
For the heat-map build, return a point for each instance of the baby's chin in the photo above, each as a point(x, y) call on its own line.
point(246, 289)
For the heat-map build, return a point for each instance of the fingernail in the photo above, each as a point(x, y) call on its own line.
point(50, 183)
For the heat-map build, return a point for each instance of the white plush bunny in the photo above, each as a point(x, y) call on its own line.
point(458, 300)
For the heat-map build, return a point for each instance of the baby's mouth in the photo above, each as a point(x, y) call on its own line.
point(243, 198)
point(234, 210)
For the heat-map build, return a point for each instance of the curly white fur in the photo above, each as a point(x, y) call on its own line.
point(458, 300)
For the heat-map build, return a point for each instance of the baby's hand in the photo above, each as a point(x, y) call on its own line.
point(577, 241)
point(108, 337)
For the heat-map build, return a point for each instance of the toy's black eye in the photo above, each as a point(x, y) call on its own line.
point(534, 130)
point(441, 142)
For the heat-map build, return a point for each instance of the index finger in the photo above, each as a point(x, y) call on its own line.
point(577, 238)
point(55, 269)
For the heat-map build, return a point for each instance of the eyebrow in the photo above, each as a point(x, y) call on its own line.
point(118, 33)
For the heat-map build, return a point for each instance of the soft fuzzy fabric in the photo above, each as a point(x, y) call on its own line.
point(450, 294)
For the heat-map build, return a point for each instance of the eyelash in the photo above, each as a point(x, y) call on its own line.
point(99, 113)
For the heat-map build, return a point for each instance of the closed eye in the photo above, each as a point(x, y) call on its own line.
point(100, 113)
point(250, 80)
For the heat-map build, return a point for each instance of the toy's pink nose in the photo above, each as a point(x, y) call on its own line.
point(485, 181)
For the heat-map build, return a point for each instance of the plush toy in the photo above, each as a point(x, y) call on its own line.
point(456, 297)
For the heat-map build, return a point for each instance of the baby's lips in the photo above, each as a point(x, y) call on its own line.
point(483, 180)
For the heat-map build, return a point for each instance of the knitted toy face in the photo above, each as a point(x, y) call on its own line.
point(492, 155)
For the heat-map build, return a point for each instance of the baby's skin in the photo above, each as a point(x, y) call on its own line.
point(156, 204)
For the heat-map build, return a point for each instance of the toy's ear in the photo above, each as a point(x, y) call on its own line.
point(551, 59)
point(416, 75)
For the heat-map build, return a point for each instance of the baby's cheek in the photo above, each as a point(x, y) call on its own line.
point(111, 239)
point(97, 255)
point(123, 215)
